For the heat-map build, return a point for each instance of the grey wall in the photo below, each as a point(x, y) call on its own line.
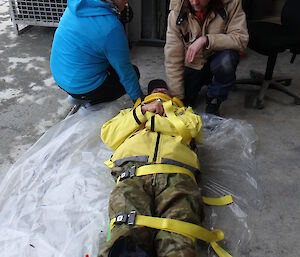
point(143, 27)
point(150, 19)
point(135, 26)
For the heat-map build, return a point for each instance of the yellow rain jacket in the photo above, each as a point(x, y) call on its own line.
point(151, 138)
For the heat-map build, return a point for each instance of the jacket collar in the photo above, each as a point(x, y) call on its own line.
point(176, 4)
point(183, 7)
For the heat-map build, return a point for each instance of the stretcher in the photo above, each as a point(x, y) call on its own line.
point(54, 199)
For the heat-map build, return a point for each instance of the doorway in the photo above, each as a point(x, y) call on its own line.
point(154, 19)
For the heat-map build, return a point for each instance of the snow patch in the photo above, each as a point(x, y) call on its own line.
point(17, 150)
point(8, 78)
point(5, 24)
point(49, 82)
point(17, 60)
point(4, 15)
point(42, 100)
point(11, 45)
point(43, 126)
point(12, 35)
point(4, 7)
point(34, 87)
point(9, 94)
point(30, 66)
point(26, 98)
point(63, 106)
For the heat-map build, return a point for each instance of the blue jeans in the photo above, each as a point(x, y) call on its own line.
point(218, 73)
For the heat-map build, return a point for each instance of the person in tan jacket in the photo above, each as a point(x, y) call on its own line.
point(203, 41)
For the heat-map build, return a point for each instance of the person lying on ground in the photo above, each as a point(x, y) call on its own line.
point(156, 169)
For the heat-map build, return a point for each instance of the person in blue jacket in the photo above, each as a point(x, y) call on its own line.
point(90, 54)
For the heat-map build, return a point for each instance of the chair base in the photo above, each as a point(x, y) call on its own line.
point(280, 84)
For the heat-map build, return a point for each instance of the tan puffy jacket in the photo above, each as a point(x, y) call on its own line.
point(227, 32)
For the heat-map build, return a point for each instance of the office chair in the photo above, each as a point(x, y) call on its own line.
point(269, 39)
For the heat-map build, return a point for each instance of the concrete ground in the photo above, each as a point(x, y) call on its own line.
point(30, 103)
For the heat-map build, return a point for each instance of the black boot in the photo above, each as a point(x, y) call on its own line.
point(213, 105)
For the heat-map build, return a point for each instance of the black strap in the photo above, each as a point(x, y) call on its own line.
point(156, 148)
point(136, 118)
point(152, 123)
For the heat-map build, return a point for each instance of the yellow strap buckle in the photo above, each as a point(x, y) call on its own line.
point(155, 169)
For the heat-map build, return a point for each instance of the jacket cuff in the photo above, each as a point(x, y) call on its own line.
point(138, 115)
point(208, 43)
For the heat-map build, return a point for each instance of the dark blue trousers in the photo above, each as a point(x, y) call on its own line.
point(110, 90)
point(218, 73)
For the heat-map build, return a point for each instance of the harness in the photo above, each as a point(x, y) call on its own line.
point(168, 169)
point(186, 229)
point(154, 169)
point(168, 103)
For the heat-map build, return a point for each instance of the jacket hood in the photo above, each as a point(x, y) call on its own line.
point(89, 8)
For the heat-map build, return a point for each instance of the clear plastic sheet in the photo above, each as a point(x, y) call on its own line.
point(228, 166)
point(53, 201)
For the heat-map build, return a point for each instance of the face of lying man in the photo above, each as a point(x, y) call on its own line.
point(161, 90)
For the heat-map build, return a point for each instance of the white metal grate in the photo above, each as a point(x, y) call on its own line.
point(36, 12)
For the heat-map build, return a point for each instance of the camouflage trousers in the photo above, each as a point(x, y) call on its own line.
point(174, 196)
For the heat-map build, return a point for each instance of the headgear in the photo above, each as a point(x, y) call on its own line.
point(156, 83)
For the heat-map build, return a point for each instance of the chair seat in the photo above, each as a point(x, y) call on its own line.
point(270, 38)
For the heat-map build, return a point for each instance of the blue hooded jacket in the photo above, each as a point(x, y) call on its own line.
point(89, 37)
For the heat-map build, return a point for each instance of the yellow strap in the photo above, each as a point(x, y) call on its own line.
point(186, 229)
point(109, 163)
point(180, 227)
point(155, 96)
point(112, 223)
point(163, 97)
point(219, 250)
point(177, 101)
point(118, 180)
point(161, 168)
point(137, 102)
point(177, 122)
point(219, 201)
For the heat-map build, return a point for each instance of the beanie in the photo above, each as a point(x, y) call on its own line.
point(156, 83)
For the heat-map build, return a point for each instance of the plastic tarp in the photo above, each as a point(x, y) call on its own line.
point(54, 200)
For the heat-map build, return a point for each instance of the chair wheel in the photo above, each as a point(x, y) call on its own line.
point(260, 104)
point(297, 100)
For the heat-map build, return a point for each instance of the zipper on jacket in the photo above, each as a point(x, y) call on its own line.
point(156, 147)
